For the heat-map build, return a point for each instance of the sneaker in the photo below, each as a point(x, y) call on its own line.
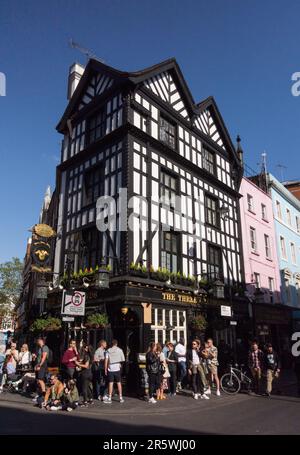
point(54, 408)
point(105, 397)
point(152, 400)
point(218, 393)
point(84, 404)
point(204, 397)
point(34, 400)
point(208, 391)
point(108, 400)
point(196, 396)
point(122, 400)
point(99, 398)
point(69, 409)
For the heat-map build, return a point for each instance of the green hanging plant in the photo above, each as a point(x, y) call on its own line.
point(49, 324)
point(198, 323)
point(97, 320)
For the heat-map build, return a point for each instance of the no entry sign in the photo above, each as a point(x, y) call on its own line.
point(73, 303)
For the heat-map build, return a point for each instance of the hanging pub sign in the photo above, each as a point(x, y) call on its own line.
point(41, 247)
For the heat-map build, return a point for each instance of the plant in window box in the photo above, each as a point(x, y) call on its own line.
point(163, 274)
point(191, 280)
point(198, 323)
point(153, 273)
point(45, 325)
point(97, 321)
point(174, 277)
point(135, 269)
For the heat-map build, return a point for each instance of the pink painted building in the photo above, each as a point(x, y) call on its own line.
point(259, 244)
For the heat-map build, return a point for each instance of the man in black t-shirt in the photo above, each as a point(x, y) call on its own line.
point(41, 357)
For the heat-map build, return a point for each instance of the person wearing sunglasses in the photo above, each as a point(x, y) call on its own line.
point(194, 365)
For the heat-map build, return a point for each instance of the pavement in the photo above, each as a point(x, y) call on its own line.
point(180, 415)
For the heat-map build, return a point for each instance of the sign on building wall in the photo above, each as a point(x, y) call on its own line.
point(41, 247)
point(73, 303)
point(226, 310)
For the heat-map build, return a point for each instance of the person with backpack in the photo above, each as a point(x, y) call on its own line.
point(113, 363)
point(43, 357)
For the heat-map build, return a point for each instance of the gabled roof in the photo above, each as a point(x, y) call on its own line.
point(210, 103)
point(94, 67)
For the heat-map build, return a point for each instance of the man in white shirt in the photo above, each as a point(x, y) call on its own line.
point(180, 349)
point(113, 364)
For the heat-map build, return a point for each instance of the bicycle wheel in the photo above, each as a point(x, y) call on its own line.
point(230, 384)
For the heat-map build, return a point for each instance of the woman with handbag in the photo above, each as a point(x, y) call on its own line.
point(24, 359)
point(85, 374)
point(164, 374)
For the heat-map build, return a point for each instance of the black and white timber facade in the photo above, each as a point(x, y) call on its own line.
point(142, 131)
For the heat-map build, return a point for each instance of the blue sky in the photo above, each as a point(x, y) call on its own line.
point(241, 52)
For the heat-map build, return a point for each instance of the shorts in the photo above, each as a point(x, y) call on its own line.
point(114, 376)
point(213, 369)
point(41, 373)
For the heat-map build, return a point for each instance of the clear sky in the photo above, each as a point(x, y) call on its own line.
point(243, 52)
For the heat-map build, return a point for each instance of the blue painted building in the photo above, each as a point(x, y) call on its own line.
point(286, 209)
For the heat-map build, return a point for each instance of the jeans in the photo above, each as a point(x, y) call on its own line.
point(153, 379)
point(182, 371)
point(270, 377)
point(256, 374)
point(100, 382)
point(86, 384)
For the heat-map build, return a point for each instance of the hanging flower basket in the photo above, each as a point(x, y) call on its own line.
point(45, 325)
point(198, 323)
point(97, 321)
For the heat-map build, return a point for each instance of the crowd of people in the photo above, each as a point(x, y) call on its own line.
point(168, 371)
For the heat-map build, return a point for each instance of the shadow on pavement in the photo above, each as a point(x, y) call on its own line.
point(18, 421)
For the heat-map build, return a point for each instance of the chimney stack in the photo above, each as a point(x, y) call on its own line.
point(75, 73)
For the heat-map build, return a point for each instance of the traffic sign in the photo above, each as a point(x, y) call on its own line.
point(73, 303)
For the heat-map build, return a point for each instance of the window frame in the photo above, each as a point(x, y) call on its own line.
point(250, 203)
point(170, 252)
point(171, 125)
point(219, 264)
point(268, 249)
point(254, 240)
point(208, 164)
point(283, 250)
point(210, 212)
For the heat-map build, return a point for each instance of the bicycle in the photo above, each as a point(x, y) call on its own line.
point(232, 382)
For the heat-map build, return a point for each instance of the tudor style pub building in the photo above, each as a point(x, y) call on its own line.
point(143, 132)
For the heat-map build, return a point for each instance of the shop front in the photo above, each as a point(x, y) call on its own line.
point(273, 324)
